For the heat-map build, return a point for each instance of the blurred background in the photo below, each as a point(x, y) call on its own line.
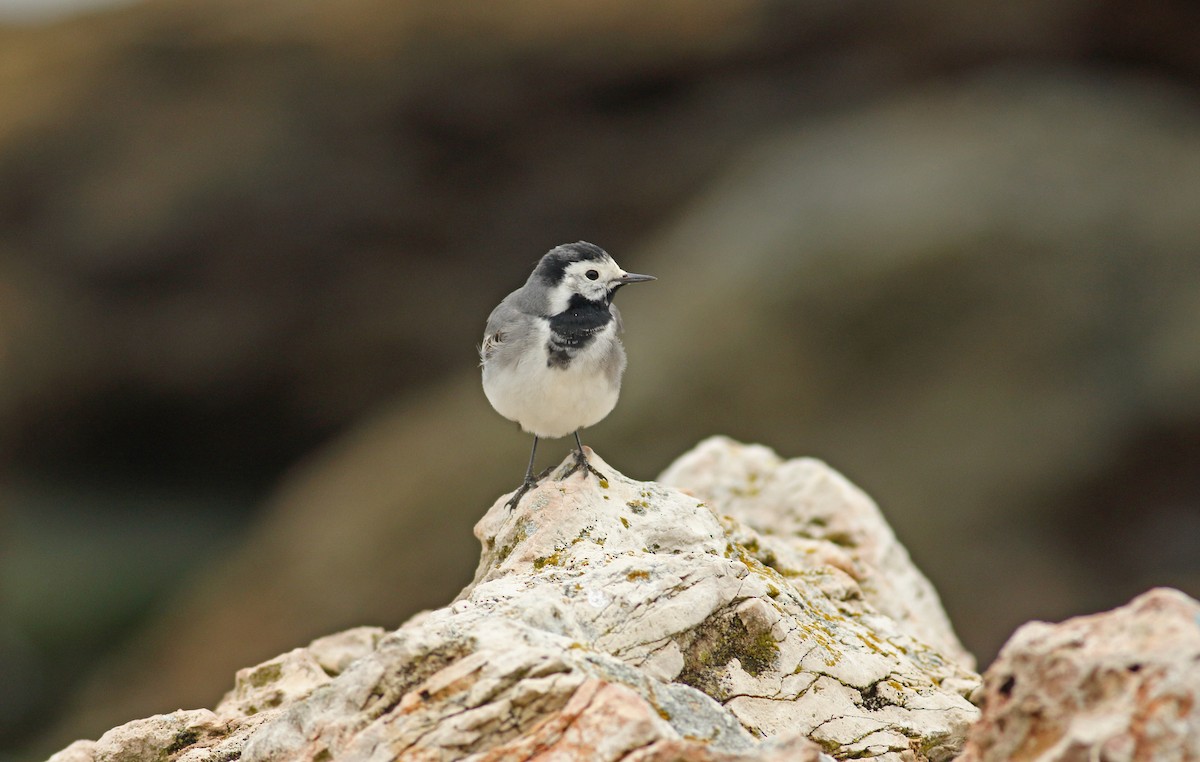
point(247, 249)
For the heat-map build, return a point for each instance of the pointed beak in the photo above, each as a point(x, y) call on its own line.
point(635, 278)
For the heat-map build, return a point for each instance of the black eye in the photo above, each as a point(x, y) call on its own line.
point(592, 274)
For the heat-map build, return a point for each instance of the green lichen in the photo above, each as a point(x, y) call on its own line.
point(759, 654)
point(760, 561)
point(637, 574)
point(182, 740)
point(842, 539)
point(717, 641)
point(265, 675)
point(934, 742)
point(624, 522)
point(586, 534)
point(751, 490)
point(866, 642)
point(873, 642)
point(518, 537)
point(825, 639)
point(638, 506)
point(554, 559)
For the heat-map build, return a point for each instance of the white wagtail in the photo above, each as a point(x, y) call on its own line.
point(552, 360)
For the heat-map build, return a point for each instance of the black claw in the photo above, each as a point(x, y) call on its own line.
point(525, 487)
point(581, 462)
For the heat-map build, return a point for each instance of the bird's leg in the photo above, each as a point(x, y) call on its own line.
point(530, 481)
point(581, 462)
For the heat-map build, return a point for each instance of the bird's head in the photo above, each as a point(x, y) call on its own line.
point(584, 270)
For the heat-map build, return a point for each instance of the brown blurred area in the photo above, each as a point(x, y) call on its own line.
point(247, 249)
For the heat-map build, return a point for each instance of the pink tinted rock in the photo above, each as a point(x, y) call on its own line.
point(1121, 686)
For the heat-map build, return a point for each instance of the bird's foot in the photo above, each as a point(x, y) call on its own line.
point(527, 485)
point(581, 463)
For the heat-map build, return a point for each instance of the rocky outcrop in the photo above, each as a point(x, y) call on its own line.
point(800, 514)
point(1122, 685)
point(741, 616)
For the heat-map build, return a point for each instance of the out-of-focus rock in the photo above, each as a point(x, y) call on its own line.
point(259, 693)
point(80, 751)
point(255, 214)
point(1122, 685)
point(615, 620)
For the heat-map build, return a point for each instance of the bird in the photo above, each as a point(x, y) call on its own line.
point(552, 356)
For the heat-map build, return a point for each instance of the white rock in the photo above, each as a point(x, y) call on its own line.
point(621, 620)
point(80, 751)
point(336, 652)
point(807, 518)
point(273, 683)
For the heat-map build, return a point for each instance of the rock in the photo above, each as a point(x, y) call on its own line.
point(274, 683)
point(623, 620)
point(336, 652)
point(159, 736)
point(1122, 685)
point(80, 751)
point(800, 515)
point(274, 323)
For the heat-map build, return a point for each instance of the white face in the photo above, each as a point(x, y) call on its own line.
point(591, 279)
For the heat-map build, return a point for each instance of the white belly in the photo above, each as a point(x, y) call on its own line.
point(553, 402)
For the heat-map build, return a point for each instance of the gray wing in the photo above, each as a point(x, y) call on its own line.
point(509, 329)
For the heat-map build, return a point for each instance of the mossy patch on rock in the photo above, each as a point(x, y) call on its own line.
point(519, 536)
point(183, 740)
point(710, 647)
